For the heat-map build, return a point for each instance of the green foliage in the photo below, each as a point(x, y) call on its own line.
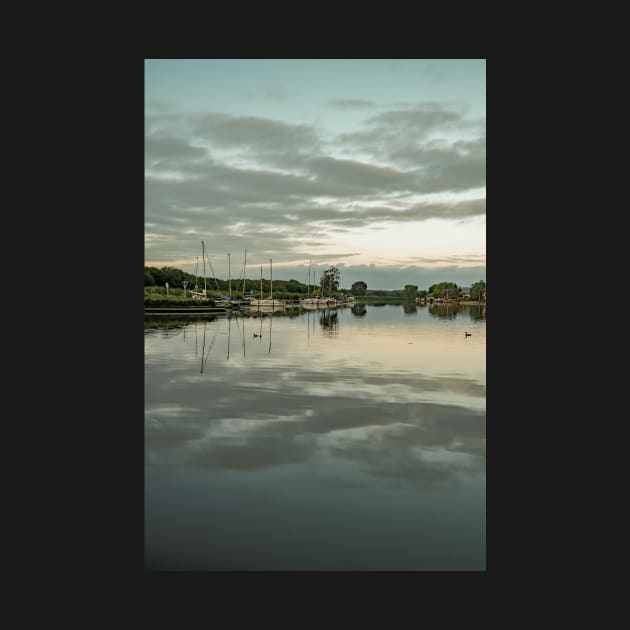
point(358, 288)
point(411, 291)
point(396, 294)
point(444, 289)
point(478, 290)
point(329, 282)
point(173, 300)
point(157, 278)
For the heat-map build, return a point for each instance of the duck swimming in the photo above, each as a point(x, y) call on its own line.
point(468, 334)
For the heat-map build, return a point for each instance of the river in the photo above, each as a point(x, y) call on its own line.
point(351, 439)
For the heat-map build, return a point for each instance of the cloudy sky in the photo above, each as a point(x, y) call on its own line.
point(376, 166)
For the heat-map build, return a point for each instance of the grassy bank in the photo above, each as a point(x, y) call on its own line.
point(171, 300)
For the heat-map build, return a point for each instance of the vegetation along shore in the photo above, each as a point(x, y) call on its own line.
point(167, 286)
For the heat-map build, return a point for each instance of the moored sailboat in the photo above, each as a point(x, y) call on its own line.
point(267, 303)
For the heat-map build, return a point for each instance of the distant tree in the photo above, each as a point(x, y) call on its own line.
point(358, 288)
point(443, 289)
point(329, 282)
point(411, 291)
point(149, 280)
point(478, 290)
point(422, 293)
point(293, 286)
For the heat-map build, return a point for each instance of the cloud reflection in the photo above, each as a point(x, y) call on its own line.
point(389, 426)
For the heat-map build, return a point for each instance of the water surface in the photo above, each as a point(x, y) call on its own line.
point(347, 439)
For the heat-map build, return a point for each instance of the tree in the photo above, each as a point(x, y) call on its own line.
point(478, 290)
point(411, 291)
point(358, 288)
point(444, 289)
point(149, 280)
point(329, 282)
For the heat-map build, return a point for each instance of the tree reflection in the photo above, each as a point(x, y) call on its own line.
point(444, 311)
point(169, 322)
point(328, 321)
point(410, 307)
point(358, 310)
point(477, 313)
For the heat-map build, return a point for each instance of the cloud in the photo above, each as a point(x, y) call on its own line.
point(174, 150)
point(351, 103)
point(245, 132)
point(243, 181)
point(411, 123)
point(418, 118)
point(269, 91)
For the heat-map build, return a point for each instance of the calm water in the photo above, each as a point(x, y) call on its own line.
point(347, 440)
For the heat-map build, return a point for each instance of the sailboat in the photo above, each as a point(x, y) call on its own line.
point(201, 295)
point(309, 302)
point(321, 301)
point(226, 300)
point(247, 297)
point(269, 302)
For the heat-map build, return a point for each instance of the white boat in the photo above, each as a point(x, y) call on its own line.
point(201, 295)
point(315, 302)
point(309, 302)
point(267, 303)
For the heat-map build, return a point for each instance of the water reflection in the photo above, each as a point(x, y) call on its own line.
point(444, 311)
point(392, 419)
point(204, 356)
point(362, 452)
point(451, 311)
point(328, 321)
point(410, 307)
point(477, 313)
point(174, 323)
point(387, 425)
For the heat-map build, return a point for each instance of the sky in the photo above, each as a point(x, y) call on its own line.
point(375, 166)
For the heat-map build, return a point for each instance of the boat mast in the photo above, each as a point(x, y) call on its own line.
point(229, 275)
point(261, 293)
point(308, 290)
point(197, 274)
point(271, 272)
point(203, 249)
point(244, 271)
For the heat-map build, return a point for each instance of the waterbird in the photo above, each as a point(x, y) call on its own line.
point(255, 335)
point(468, 334)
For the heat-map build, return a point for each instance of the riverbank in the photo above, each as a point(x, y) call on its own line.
point(450, 303)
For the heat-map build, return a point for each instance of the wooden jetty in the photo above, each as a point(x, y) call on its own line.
point(182, 310)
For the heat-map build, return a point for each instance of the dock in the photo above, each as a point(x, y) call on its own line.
point(183, 310)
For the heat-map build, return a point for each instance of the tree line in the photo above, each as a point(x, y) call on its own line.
point(329, 284)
